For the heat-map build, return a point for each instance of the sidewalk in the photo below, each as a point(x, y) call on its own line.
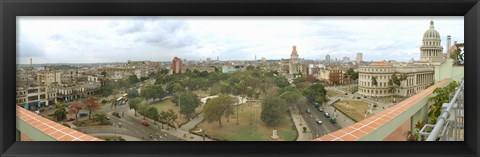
point(179, 133)
point(299, 124)
point(192, 123)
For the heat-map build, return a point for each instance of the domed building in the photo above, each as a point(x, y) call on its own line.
point(418, 75)
point(431, 49)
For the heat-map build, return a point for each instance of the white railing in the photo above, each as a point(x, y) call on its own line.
point(449, 126)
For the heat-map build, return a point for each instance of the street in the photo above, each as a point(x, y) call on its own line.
point(317, 130)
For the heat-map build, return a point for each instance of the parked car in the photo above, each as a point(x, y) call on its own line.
point(119, 125)
point(308, 111)
point(108, 118)
point(70, 119)
point(37, 112)
point(83, 114)
point(320, 109)
point(319, 122)
point(327, 115)
point(145, 123)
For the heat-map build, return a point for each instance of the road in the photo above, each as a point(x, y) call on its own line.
point(317, 130)
point(132, 127)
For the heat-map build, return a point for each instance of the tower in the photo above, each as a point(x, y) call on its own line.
point(449, 40)
point(294, 66)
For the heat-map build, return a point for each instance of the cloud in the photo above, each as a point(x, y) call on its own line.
point(27, 48)
point(117, 39)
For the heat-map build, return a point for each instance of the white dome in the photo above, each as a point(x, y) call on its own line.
point(431, 33)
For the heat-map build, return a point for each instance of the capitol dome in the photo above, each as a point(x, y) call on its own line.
point(431, 48)
point(431, 33)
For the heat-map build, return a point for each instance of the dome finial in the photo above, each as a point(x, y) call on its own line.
point(431, 24)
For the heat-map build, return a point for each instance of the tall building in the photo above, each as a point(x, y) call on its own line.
point(176, 66)
point(327, 58)
point(359, 58)
point(431, 49)
point(295, 67)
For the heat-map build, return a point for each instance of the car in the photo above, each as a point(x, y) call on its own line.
point(83, 114)
point(327, 115)
point(145, 123)
point(119, 125)
point(319, 122)
point(320, 109)
point(37, 112)
point(108, 118)
point(333, 120)
point(308, 111)
point(70, 119)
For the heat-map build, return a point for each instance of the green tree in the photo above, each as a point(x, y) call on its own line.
point(443, 95)
point(374, 80)
point(152, 113)
point(134, 104)
point(315, 93)
point(163, 117)
point(189, 101)
point(294, 97)
point(61, 112)
point(217, 107)
point(91, 104)
point(395, 81)
point(142, 109)
point(101, 117)
point(133, 79)
point(273, 108)
point(281, 82)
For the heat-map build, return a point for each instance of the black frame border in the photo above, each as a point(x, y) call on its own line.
point(9, 9)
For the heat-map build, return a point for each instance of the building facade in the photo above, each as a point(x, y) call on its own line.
point(335, 76)
point(177, 66)
point(419, 77)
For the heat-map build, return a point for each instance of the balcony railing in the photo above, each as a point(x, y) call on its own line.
point(450, 123)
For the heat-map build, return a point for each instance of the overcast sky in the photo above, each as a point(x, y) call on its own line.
point(118, 39)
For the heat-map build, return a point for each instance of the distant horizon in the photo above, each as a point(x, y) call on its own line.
point(50, 40)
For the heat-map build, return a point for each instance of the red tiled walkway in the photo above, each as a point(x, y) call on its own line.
point(51, 128)
point(364, 127)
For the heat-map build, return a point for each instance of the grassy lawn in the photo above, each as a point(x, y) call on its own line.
point(166, 105)
point(332, 93)
point(246, 131)
point(356, 109)
point(350, 90)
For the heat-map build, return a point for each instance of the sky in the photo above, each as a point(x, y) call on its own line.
point(118, 39)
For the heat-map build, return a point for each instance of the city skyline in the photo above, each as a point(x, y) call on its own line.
point(117, 39)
